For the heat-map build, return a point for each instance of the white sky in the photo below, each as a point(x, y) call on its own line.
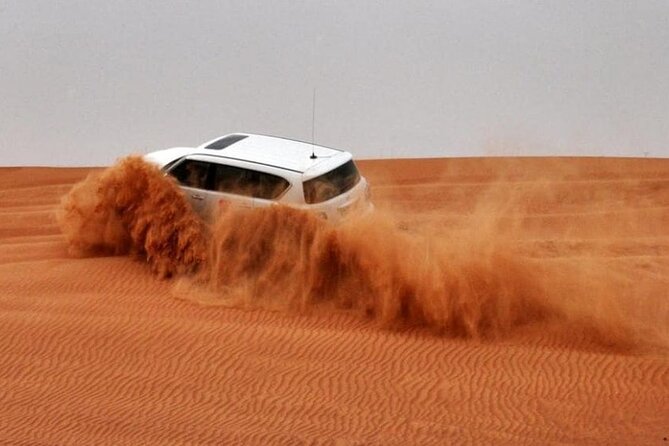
point(84, 82)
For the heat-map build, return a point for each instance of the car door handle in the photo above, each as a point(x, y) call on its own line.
point(197, 197)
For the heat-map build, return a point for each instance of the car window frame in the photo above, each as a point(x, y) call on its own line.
point(213, 160)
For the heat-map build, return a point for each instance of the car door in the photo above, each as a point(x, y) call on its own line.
point(193, 177)
point(269, 188)
point(229, 186)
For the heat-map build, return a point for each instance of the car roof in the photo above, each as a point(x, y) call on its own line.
point(282, 153)
point(273, 151)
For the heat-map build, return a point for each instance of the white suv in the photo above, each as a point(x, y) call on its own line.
point(257, 171)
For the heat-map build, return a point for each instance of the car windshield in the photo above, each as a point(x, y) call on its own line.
point(331, 184)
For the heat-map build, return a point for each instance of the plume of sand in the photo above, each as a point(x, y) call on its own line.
point(133, 208)
point(470, 280)
point(284, 257)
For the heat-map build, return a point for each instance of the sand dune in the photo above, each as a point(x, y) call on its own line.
point(100, 350)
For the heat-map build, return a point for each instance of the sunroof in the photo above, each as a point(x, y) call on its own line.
point(225, 142)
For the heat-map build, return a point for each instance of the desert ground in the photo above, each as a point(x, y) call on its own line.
point(99, 349)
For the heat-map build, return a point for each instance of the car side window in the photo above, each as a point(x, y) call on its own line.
point(191, 173)
point(266, 186)
point(247, 182)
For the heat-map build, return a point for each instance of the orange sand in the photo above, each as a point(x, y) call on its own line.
point(98, 350)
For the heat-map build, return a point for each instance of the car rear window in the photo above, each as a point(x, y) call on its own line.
point(329, 185)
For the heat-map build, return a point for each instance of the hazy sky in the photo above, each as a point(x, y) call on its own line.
point(84, 82)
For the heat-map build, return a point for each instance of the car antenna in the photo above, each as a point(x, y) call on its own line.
point(313, 125)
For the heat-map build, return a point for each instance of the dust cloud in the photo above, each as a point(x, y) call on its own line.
point(132, 208)
point(467, 281)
